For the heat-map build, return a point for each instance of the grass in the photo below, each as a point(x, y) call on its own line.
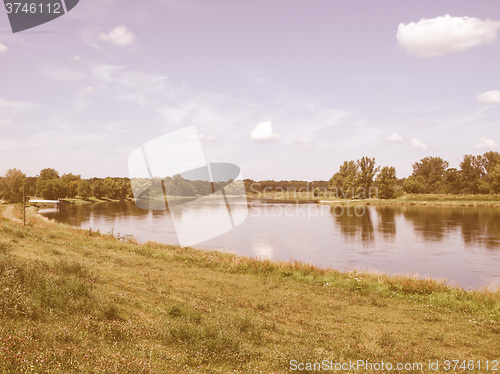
point(77, 301)
point(429, 199)
point(492, 200)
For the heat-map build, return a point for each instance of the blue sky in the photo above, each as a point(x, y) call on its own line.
point(284, 89)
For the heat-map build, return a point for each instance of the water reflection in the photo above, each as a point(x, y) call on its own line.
point(386, 221)
point(263, 249)
point(458, 243)
point(478, 226)
point(355, 222)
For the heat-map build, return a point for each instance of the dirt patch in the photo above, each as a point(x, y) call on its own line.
point(11, 213)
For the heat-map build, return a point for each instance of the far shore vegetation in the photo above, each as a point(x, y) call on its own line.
point(82, 301)
point(476, 182)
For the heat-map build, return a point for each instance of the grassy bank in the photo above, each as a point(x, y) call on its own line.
point(407, 199)
point(75, 301)
point(308, 197)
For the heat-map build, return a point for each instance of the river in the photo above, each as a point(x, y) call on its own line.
point(460, 244)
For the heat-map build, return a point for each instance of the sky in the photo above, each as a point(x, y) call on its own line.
point(285, 89)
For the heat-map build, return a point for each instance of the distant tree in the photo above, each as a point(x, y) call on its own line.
point(30, 186)
point(46, 174)
point(84, 189)
point(97, 188)
point(432, 172)
point(71, 182)
point(490, 160)
point(343, 183)
point(234, 187)
point(72, 188)
point(51, 189)
point(414, 184)
point(203, 187)
point(367, 171)
point(452, 181)
point(494, 179)
point(12, 185)
point(178, 186)
point(472, 172)
point(108, 187)
point(386, 182)
point(123, 189)
point(48, 185)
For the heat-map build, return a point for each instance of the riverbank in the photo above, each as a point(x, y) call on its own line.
point(407, 199)
point(76, 301)
point(309, 198)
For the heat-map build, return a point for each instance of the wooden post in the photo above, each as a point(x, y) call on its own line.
point(24, 206)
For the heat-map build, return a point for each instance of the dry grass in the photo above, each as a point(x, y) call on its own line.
point(74, 301)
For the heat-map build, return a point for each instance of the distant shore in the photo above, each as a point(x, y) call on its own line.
point(406, 200)
point(469, 201)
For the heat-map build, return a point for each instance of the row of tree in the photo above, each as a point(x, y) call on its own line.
point(51, 186)
point(355, 179)
point(432, 175)
point(477, 174)
point(362, 179)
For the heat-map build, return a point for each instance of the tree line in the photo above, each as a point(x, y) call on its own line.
point(479, 174)
point(50, 185)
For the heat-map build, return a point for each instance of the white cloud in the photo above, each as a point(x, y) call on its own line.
point(489, 97)
point(120, 36)
point(440, 35)
point(396, 138)
point(264, 132)
point(485, 143)
point(417, 144)
point(3, 48)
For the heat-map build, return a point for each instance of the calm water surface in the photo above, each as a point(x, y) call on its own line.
point(460, 244)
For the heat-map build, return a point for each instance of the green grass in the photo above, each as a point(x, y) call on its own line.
point(75, 301)
point(492, 200)
point(429, 199)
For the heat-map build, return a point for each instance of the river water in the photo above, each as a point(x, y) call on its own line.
point(460, 244)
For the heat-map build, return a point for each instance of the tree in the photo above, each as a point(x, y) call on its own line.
point(343, 183)
point(71, 182)
point(494, 179)
point(386, 182)
point(46, 174)
point(490, 160)
point(452, 181)
point(367, 171)
point(12, 185)
point(51, 189)
point(471, 172)
point(84, 189)
point(47, 187)
point(30, 186)
point(414, 184)
point(108, 187)
point(97, 188)
point(432, 170)
point(178, 186)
